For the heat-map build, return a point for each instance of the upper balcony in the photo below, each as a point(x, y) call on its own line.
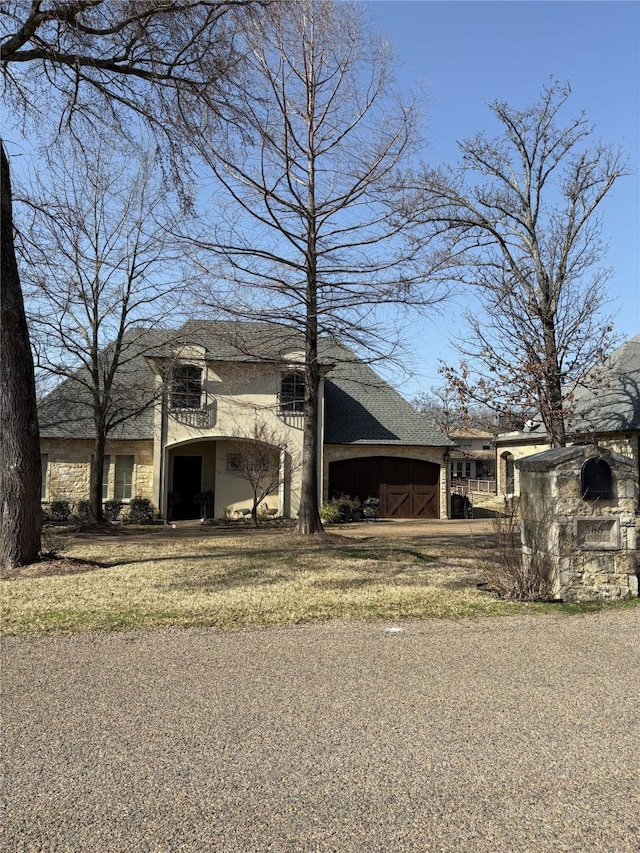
point(201, 413)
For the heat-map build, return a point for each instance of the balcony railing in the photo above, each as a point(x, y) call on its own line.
point(203, 417)
point(463, 486)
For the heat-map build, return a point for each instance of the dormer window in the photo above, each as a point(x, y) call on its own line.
point(292, 392)
point(595, 479)
point(186, 387)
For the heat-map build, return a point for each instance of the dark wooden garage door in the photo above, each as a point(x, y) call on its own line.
point(407, 488)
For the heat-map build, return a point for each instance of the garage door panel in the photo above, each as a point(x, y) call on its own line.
point(395, 502)
point(407, 488)
point(423, 502)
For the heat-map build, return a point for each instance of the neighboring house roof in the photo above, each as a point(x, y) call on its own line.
point(471, 432)
point(613, 405)
point(610, 405)
point(360, 407)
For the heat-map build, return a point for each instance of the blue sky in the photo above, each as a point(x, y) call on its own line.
point(466, 54)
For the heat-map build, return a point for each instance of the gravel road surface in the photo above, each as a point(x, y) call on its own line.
point(510, 734)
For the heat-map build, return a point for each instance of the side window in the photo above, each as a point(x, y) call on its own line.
point(292, 392)
point(124, 478)
point(44, 466)
point(186, 387)
point(106, 465)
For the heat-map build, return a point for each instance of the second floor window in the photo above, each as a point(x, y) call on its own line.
point(292, 392)
point(186, 388)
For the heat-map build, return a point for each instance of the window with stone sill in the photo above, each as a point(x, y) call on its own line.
point(124, 478)
point(44, 466)
point(106, 466)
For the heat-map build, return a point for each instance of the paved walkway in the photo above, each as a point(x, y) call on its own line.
point(494, 736)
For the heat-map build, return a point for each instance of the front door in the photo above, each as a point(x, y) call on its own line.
point(187, 483)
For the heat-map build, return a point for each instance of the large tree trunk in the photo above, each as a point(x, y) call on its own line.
point(95, 485)
point(309, 515)
point(20, 512)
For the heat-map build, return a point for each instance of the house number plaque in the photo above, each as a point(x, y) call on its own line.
point(597, 533)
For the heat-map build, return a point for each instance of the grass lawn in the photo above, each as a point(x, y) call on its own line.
point(238, 579)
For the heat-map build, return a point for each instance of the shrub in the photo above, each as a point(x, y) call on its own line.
point(59, 512)
point(330, 512)
point(371, 508)
point(341, 508)
point(111, 510)
point(84, 511)
point(512, 576)
point(140, 511)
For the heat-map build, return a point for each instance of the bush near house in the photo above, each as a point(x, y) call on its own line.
point(111, 510)
point(140, 511)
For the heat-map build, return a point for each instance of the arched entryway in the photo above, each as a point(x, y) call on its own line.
point(407, 488)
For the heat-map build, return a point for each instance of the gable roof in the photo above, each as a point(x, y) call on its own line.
point(360, 407)
point(611, 404)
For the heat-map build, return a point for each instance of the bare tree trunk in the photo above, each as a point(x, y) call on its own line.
point(95, 488)
point(309, 514)
point(20, 512)
point(555, 418)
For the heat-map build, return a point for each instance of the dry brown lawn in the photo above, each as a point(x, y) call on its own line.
point(237, 579)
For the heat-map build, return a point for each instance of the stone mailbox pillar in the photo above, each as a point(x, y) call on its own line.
point(577, 506)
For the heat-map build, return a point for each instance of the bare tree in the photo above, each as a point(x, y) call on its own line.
point(452, 414)
point(265, 461)
point(94, 61)
point(522, 214)
point(100, 272)
point(318, 230)
point(19, 442)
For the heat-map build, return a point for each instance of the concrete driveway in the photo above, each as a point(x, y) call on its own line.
point(492, 736)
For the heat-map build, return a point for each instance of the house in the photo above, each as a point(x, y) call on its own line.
point(210, 389)
point(473, 458)
point(606, 412)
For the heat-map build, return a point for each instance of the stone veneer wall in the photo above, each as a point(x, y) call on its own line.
point(591, 543)
point(69, 467)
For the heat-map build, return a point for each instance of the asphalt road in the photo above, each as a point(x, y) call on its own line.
point(510, 734)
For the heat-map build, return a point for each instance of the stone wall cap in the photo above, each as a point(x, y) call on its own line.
point(547, 460)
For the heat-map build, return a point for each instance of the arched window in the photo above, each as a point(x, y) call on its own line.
point(595, 479)
point(186, 387)
point(292, 392)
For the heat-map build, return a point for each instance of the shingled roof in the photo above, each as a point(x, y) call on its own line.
point(360, 407)
point(611, 404)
